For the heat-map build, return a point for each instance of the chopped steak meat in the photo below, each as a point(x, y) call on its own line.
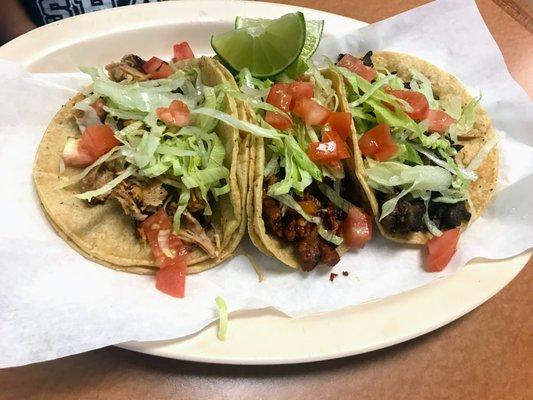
point(139, 198)
point(130, 67)
point(367, 59)
point(449, 215)
point(406, 216)
point(292, 227)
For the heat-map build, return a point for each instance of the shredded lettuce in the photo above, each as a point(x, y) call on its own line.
point(334, 197)
point(330, 236)
point(323, 91)
point(432, 227)
point(288, 201)
point(183, 200)
point(222, 318)
point(138, 96)
point(420, 83)
point(484, 151)
point(108, 186)
point(414, 180)
point(238, 124)
point(110, 155)
point(466, 121)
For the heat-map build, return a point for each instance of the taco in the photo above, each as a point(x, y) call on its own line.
point(425, 150)
point(137, 172)
point(305, 206)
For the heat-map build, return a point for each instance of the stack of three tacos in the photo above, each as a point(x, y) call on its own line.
point(303, 176)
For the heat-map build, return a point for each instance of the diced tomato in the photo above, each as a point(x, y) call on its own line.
point(332, 148)
point(172, 257)
point(358, 67)
point(301, 89)
point(98, 140)
point(336, 167)
point(279, 96)
point(439, 121)
point(378, 143)
point(74, 156)
point(157, 68)
point(310, 111)
point(182, 51)
point(95, 141)
point(278, 121)
point(441, 249)
point(98, 106)
point(357, 228)
point(176, 114)
point(171, 279)
point(386, 153)
point(416, 100)
point(342, 147)
point(340, 122)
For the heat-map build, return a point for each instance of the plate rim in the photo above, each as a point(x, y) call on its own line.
point(14, 50)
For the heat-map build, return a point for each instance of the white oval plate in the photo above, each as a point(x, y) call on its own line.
point(264, 336)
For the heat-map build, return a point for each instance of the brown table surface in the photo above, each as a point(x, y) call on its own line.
point(485, 355)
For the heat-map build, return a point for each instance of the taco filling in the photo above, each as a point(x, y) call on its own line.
point(146, 145)
point(305, 182)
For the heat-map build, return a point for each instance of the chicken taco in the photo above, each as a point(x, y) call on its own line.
point(141, 172)
point(425, 150)
point(304, 204)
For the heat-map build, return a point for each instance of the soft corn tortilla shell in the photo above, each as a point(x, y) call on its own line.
point(103, 233)
point(269, 244)
point(445, 86)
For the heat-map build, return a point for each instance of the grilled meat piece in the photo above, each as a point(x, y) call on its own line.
point(192, 231)
point(272, 216)
point(138, 198)
point(129, 67)
point(367, 59)
point(406, 217)
point(332, 218)
point(328, 253)
point(295, 227)
point(449, 215)
point(308, 252)
point(196, 203)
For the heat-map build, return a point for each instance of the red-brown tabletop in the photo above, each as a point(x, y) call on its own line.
point(486, 354)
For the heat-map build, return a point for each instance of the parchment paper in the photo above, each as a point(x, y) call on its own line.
point(55, 303)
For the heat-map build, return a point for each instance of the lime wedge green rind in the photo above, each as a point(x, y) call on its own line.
point(266, 48)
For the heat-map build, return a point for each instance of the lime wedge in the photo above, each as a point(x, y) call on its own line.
point(265, 48)
point(313, 32)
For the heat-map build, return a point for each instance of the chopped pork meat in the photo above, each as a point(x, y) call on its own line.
point(193, 232)
point(130, 67)
point(292, 227)
point(138, 198)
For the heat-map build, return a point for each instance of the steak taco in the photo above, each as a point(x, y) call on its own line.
point(425, 150)
point(140, 174)
point(303, 200)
